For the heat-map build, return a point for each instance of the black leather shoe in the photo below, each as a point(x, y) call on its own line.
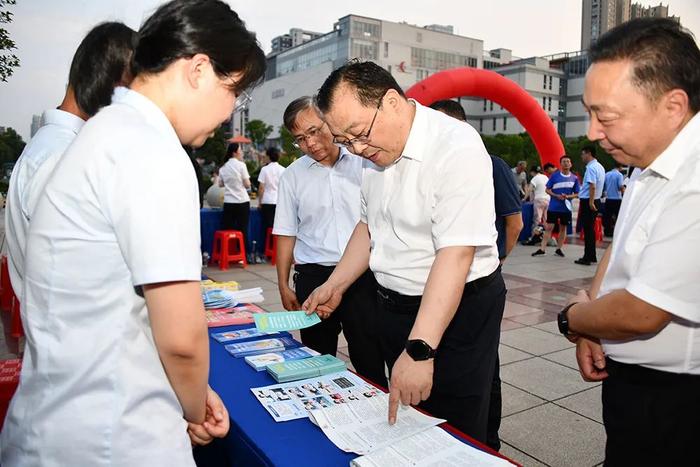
point(583, 262)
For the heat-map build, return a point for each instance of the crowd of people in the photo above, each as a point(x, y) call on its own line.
point(392, 227)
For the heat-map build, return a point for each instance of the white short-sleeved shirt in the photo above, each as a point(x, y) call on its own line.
point(270, 177)
point(656, 257)
point(120, 211)
point(29, 176)
point(320, 206)
point(438, 194)
point(233, 174)
point(539, 186)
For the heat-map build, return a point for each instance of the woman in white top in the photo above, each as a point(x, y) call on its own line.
point(234, 177)
point(116, 365)
point(268, 182)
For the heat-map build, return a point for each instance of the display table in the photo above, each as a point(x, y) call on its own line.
point(255, 438)
point(210, 222)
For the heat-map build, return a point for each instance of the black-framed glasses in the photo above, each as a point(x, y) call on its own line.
point(302, 139)
point(360, 139)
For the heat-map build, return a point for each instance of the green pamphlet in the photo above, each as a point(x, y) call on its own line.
point(285, 321)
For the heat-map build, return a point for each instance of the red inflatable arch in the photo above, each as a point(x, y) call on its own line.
point(494, 87)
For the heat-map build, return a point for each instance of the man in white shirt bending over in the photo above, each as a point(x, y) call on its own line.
point(539, 196)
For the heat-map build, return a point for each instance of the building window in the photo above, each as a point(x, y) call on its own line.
point(481, 125)
point(505, 123)
point(550, 82)
point(485, 102)
point(472, 62)
point(544, 102)
point(494, 125)
point(436, 60)
point(544, 84)
point(364, 49)
point(386, 54)
point(365, 30)
point(549, 104)
point(491, 106)
point(419, 37)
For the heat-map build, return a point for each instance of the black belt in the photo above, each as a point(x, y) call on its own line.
point(399, 300)
point(647, 376)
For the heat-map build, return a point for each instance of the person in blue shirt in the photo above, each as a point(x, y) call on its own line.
point(591, 192)
point(562, 186)
point(509, 223)
point(613, 190)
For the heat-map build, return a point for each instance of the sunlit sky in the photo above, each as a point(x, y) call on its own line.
point(48, 31)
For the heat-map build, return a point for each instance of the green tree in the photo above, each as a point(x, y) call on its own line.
point(11, 145)
point(8, 60)
point(258, 131)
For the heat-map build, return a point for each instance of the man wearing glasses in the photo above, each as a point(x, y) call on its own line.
point(318, 206)
point(427, 231)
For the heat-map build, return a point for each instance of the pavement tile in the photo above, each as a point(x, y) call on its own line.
point(534, 341)
point(515, 309)
point(555, 436)
point(549, 326)
point(518, 456)
point(587, 403)
point(566, 357)
point(535, 318)
point(507, 324)
point(543, 378)
point(508, 355)
point(516, 400)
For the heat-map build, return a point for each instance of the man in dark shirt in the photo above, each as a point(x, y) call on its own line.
point(509, 223)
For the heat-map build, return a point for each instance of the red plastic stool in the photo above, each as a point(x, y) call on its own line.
point(9, 380)
point(271, 246)
point(597, 229)
point(229, 246)
point(16, 329)
point(6, 292)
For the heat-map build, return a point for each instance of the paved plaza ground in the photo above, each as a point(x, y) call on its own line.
point(550, 415)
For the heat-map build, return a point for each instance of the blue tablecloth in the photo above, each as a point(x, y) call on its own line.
point(210, 222)
point(255, 438)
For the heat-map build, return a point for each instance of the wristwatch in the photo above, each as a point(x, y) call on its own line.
point(563, 320)
point(419, 350)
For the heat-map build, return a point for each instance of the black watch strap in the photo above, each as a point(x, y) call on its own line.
point(419, 350)
point(563, 320)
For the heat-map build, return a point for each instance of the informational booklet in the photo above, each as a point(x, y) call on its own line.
point(362, 427)
point(228, 285)
point(240, 334)
point(243, 349)
point(291, 401)
point(430, 448)
point(285, 321)
point(242, 314)
point(306, 368)
point(260, 362)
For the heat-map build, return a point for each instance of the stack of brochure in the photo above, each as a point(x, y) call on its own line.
point(218, 298)
point(295, 370)
point(240, 334)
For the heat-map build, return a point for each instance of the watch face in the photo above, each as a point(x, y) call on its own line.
point(418, 350)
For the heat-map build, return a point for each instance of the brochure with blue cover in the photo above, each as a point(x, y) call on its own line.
point(243, 349)
point(260, 362)
point(306, 368)
point(240, 334)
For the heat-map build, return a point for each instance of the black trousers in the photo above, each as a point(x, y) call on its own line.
point(268, 216)
point(612, 209)
point(652, 418)
point(466, 356)
point(235, 217)
point(356, 317)
point(495, 407)
point(588, 222)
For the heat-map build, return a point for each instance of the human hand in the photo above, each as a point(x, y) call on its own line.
point(216, 422)
point(591, 204)
point(591, 359)
point(289, 299)
point(411, 383)
point(323, 300)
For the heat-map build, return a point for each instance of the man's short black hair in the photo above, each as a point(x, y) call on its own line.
point(452, 108)
point(294, 108)
point(273, 153)
point(549, 165)
point(232, 147)
point(370, 81)
point(100, 64)
point(589, 148)
point(184, 28)
point(564, 157)
point(665, 56)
